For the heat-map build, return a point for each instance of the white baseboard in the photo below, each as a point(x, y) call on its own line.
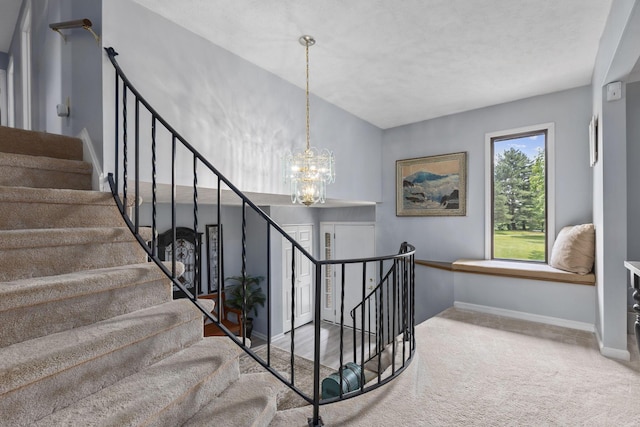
point(613, 353)
point(572, 324)
point(264, 337)
point(98, 181)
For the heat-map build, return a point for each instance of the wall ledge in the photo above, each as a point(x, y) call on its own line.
point(522, 270)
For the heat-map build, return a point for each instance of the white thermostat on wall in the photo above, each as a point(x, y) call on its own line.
point(614, 91)
point(62, 110)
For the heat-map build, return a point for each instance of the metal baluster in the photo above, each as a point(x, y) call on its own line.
point(244, 273)
point(196, 238)
point(154, 246)
point(293, 307)
point(364, 295)
point(389, 330)
point(117, 136)
point(316, 357)
point(136, 207)
point(125, 150)
point(173, 203)
point(394, 333)
point(380, 327)
point(368, 324)
point(220, 272)
point(268, 294)
point(353, 318)
point(342, 331)
point(412, 266)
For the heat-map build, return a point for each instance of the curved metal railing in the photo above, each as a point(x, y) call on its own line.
point(145, 143)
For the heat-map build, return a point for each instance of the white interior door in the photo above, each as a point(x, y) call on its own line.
point(303, 285)
point(346, 241)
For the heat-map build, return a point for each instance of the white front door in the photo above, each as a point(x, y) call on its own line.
point(346, 241)
point(302, 286)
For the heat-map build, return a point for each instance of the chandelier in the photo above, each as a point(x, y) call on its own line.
point(309, 171)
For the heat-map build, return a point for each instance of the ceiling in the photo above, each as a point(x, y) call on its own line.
point(394, 62)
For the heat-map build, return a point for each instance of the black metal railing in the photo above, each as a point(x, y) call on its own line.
point(382, 320)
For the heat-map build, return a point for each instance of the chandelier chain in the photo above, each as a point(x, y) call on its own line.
point(310, 171)
point(307, 92)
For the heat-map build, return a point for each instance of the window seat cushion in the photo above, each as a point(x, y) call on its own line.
point(524, 270)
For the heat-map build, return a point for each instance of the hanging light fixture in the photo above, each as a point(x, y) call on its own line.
point(309, 171)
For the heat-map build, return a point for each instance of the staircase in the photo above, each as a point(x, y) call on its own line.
point(90, 334)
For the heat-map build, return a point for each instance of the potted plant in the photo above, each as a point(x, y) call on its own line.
point(245, 288)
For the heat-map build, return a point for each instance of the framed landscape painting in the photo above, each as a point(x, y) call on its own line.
point(432, 186)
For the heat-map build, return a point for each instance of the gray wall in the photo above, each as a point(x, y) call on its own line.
point(451, 238)
point(633, 174)
point(239, 116)
point(618, 53)
point(4, 60)
point(633, 170)
point(62, 70)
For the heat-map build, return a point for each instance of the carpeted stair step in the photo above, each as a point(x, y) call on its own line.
point(250, 401)
point(40, 376)
point(24, 208)
point(32, 143)
point(31, 308)
point(37, 253)
point(44, 172)
point(165, 394)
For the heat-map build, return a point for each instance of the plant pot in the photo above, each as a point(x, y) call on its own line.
point(248, 327)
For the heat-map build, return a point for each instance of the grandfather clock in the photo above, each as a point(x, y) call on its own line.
point(187, 251)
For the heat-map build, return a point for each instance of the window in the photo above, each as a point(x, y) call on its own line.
point(519, 211)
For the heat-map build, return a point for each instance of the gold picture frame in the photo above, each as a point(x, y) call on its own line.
point(432, 186)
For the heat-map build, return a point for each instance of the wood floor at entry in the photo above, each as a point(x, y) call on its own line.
point(329, 343)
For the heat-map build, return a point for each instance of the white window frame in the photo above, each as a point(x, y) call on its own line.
point(550, 189)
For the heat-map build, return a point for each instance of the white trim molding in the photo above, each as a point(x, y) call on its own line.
point(547, 320)
point(612, 353)
point(98, 181)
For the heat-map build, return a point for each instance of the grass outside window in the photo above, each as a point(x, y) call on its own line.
point(519, 245)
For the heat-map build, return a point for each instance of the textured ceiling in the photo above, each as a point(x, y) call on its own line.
point(394, 62)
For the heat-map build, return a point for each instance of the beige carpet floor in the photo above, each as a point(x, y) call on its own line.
point(281, 361)
point(473, 369)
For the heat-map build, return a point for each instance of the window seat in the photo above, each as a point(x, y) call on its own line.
point(522, 270)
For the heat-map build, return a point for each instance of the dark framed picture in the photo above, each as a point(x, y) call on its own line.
point(214, 257)
point(432, 186)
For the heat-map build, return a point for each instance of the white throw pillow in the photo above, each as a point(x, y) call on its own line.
point(574, 249)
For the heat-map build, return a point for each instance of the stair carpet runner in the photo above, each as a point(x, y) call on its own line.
point(90, 334)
